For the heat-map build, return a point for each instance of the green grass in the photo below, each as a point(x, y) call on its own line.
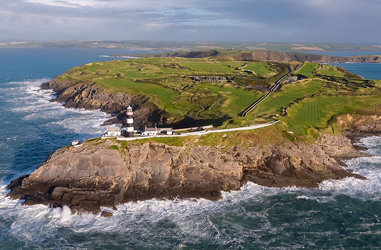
point(212, 67)
point(316, 112)
point(308, 69)
point(290, 93)
point(171, 141)
point(237, 99)
point(329, 70)
point(164, 83)
point(261, 68)
point(93, 140)
point(162, 97)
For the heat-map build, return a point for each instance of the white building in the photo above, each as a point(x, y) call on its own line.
point(149, 131)
point(113, 131)
point(166, 131)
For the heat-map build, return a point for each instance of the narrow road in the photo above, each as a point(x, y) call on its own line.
point(256, 103)
point(203, 132)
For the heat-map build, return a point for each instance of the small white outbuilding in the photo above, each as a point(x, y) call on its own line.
point(166, 131)
point(149, 131)
point(113, 131)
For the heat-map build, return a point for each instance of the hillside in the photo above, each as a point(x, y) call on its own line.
point(163, 92)
point(319, 115)
point(246, 55)
point(165, 87)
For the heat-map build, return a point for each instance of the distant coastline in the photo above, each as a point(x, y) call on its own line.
point(314, 48)
point(274, 56)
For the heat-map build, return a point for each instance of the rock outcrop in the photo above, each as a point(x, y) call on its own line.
point(88, 96)
point(105, 173)
point(92, 97)
point(299, 57)
point(357, 126)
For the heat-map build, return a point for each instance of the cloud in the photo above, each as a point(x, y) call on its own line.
point(196, 20)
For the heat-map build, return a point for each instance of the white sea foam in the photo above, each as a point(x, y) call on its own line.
point(305, 197)
point(365, 189)
point(373, 144)
point(369, 167)
point(35, 222)
point(126, 57)
point(89, 124)
point(4, 201)
point(38, 222)
point(192, 217)
point(35, 104)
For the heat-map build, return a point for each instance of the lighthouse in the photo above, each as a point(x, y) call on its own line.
point(130, 122)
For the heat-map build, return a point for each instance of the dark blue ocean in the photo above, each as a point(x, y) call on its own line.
point(339, 215)
point(367, 70)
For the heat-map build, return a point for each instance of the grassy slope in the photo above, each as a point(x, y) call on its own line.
point(304, 105)
point(308, 69)
point(166, 82)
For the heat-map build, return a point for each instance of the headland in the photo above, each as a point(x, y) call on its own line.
point(320, 109)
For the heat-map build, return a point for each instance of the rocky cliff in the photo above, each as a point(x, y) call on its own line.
point(88, 96)
point(107, 173)
point(358, 126)
point(92, 97)
point(283, 56)
point(276, 56)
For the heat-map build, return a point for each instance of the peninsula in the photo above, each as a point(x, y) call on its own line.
point(320, 108)
point(264, 55)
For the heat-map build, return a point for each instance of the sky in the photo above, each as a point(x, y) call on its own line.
point(303, 21)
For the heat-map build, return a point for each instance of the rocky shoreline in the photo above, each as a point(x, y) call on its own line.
point(91, 97)
point(104, 173)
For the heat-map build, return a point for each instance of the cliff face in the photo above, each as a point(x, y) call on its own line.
point(97, 174)
point(88, 96)
point(192, 54)
point(356, 126)
point(277, 56)
point(283, 56)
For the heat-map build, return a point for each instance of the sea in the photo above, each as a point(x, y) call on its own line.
point(367, 70)
point(344, 214)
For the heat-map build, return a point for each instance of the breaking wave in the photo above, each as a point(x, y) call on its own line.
point(34, 105)
point(369, 167)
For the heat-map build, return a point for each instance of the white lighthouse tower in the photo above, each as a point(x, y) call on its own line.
point(130, 122)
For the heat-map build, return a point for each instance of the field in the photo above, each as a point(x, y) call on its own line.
point(261, 69)
point(329, 70)
point(166, 84)
point(308, 69)
point(317, 112)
